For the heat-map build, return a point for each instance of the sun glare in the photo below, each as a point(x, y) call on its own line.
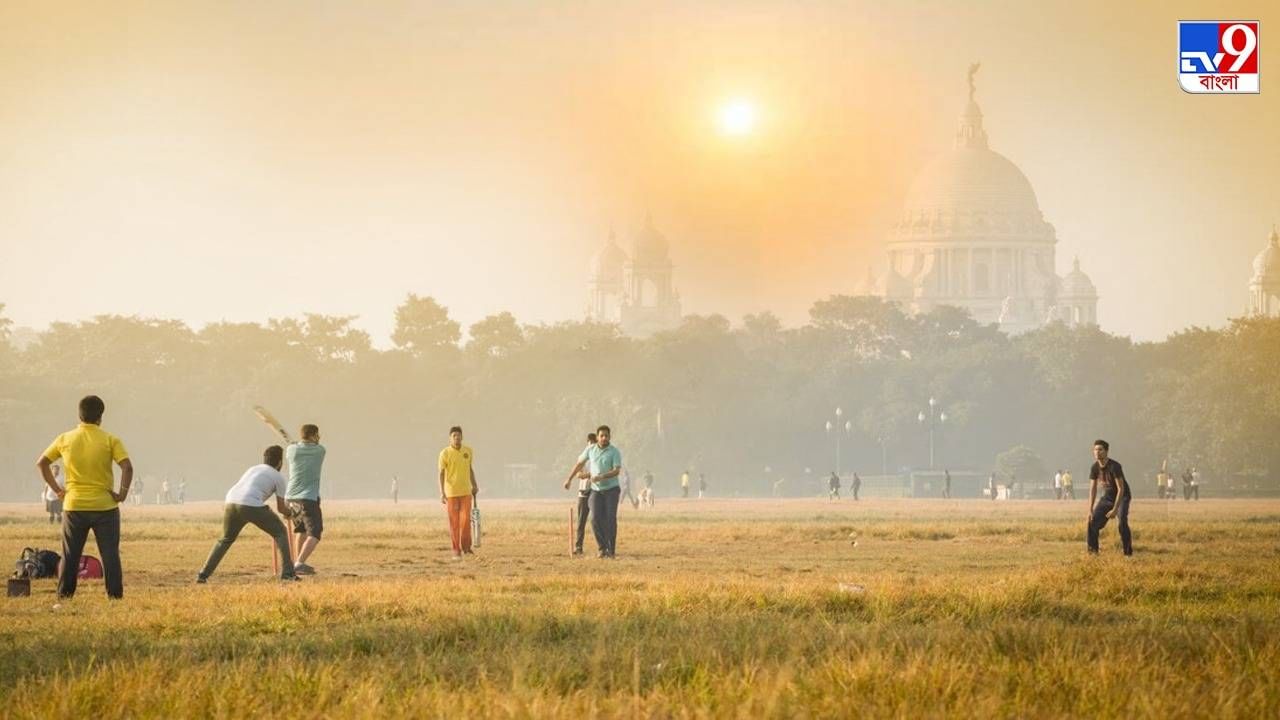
point(737, 118)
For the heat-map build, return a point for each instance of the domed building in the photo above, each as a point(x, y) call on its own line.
point(971, 235)
point(1264, 286)
point(634, 291)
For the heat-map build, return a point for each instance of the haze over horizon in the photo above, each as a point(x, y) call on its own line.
point(234, 161)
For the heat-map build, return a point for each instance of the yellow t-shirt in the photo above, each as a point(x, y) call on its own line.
point(1066, 479)
point(456, 465)
point(87, 453)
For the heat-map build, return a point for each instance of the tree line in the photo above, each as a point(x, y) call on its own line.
point(743, 403)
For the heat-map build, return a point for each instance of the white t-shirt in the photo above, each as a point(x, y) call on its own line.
point(256, 485)
point(585, 483)
point(1057, 480)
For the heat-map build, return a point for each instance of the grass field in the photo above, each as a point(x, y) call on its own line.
point(714, 608)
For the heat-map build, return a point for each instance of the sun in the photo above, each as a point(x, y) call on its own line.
point(737, 118)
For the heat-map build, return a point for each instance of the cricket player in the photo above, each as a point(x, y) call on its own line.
point(604, 462)
point(584, 498)
point(246, 503)
point(306, 458)
point(1114, 503)
point(90, 501)
point(458, 488)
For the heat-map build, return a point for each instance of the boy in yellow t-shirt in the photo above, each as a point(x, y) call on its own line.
point(90, 501)
point(457, 487)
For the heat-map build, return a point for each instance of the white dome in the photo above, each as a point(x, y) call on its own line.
point(1266, 266)
point(650, 246)
point(606, 265)
point(974, 180)
point(1076, 284)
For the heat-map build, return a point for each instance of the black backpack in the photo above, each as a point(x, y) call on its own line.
point(37, 563)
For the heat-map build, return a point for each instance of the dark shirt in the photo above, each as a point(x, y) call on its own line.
point(1109, 476)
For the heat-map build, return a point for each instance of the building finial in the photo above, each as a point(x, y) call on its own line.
point(971, 135)
point(1275, 236)
point(1075, 263)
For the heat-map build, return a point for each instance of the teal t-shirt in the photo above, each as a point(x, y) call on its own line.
point(305, 460)
point(601, 461)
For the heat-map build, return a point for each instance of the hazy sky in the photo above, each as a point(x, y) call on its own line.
point(246, 160)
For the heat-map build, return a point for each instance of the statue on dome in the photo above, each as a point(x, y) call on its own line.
point(973, 70)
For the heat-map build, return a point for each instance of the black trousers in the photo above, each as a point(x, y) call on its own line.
point(234, 518)
point(604, 518)
point(105, 525)
point(584, 511)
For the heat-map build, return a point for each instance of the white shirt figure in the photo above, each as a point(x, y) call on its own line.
point(256, 485)
point(1057, 481)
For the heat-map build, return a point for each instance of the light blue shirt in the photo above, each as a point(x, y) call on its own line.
point(305, 460)
point(600, 461)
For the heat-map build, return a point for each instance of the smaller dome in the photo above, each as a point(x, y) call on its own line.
point(1076, 284)
point(606, 265)
point(650, 246)
point(1266, 266)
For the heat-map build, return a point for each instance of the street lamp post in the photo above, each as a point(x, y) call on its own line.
point(847, 428)
point(934, 419)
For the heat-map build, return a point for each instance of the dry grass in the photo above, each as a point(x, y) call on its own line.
point(715, 609)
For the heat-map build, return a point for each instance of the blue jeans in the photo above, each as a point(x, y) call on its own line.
point(1099, 520)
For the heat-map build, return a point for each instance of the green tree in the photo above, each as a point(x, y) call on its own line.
point(423, 325)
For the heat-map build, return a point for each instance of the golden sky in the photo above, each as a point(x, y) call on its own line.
point(245, 160)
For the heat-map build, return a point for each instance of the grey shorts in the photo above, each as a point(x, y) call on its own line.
point(307, 517)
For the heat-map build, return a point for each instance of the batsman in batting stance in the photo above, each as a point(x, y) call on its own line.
point(247, 503)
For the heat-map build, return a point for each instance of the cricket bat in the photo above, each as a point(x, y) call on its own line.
point(265, 416)
point(475, 522)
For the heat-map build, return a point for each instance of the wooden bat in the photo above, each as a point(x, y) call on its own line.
point(265, 416)
point(475, 522)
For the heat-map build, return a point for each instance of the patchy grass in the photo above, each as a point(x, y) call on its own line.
point(714, 609)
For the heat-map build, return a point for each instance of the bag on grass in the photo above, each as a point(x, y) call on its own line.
point(37, 563)
point(90, 567)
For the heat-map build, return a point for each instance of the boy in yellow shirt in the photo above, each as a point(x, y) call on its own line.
point(90, 501)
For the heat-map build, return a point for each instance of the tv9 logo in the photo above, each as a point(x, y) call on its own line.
point(1218, 57)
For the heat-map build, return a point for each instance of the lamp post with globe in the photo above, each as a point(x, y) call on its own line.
point(935, 417)
point(845, 429)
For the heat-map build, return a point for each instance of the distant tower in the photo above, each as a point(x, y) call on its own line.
point(636, 292)
point(604, 283)
point(1077, 298)
point(651, 302)
point(1264, 286)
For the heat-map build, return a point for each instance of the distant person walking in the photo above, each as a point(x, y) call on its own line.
point(625, 478)
point(52, 500)
point(702, 485)
point(458, 489)
point(684, 484)
point(165, 498)
point(1160, 484)
point(1195, 483)
point(1186, 485)
point(246, 503)
point(584, 499)
point(1114, 502)
point(1057, 485)
point(1169, 492)
point(604, 462)
point(395, 490)
point(1068, 490)
point(182, 491)
point(306, 460)
point(946, 484)
point(138, 489)
point(89, 499)
point(833, 487)
point(646, 493)
point(856, 485)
